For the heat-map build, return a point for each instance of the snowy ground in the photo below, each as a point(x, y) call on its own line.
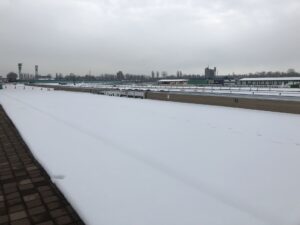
point(144, 162)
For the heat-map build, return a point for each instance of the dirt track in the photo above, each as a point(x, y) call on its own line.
point(247, 103)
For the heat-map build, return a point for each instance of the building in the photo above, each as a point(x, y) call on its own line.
point(174, 82)
point(271, 81)
point(2, 79)
point(210, 73)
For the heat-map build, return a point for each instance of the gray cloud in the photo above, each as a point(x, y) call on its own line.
point(141, 35)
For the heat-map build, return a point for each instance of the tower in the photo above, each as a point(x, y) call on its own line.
point(210, 73)
point(36, 69)
point(20, 70)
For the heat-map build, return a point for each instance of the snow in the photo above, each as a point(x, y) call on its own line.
point(271, 79)
point(144, 162)
point(172, 80)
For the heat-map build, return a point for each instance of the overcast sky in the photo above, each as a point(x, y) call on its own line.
point(138, 36)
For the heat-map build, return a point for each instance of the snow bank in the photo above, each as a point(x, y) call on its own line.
point(144, 162)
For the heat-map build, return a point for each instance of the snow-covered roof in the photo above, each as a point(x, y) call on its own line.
point(173, 80)
point(271, 78)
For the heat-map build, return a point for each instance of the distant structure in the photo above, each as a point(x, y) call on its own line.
point(210, 73)
point(173, 82)
point(20, 70)
point(36, 69)
point(271, 81)
point(152, 74)
point(164, 74)
point(120, 75)
point(179, 73)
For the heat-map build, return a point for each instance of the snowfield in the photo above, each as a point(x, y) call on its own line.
point(123, 161)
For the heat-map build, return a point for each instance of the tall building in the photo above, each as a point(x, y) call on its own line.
point(210, 73)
